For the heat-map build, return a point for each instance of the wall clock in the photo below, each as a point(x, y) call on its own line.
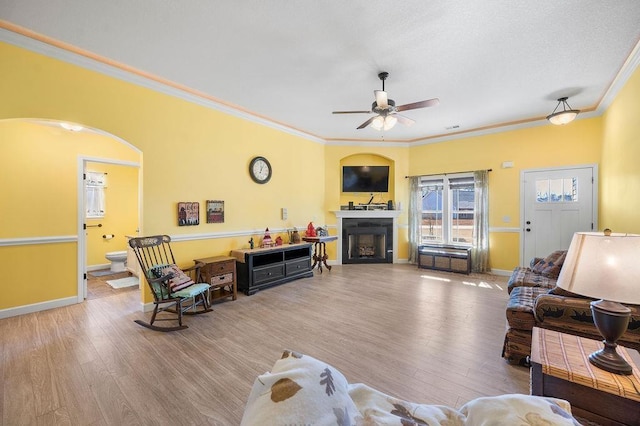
point(260, 170)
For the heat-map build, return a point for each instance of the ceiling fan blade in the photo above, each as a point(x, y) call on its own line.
point(366, 123)
point(381, 98)
point(404, 120)
point(416, 105)
point(351, 112)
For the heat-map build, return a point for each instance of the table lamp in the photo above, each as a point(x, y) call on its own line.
point(605, 266)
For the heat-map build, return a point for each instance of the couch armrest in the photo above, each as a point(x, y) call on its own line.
point(572, 315)
point(534, 261)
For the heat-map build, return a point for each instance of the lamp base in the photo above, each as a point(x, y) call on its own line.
point(611, 361)
point(611, 320)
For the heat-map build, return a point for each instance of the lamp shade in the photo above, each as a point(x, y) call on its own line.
point(603, 267)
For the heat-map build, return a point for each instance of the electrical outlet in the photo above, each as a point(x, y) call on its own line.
point(285, 213)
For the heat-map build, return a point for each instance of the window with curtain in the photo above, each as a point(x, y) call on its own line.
point(95, 184)
point(447, 209)
point(451, 209)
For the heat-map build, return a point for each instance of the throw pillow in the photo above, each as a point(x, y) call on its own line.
point(300, 390)
point(518, 409)
point(178, 281)
point(550, 266)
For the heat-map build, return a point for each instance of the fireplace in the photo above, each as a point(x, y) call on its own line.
point(370, 230)
point(367, 241)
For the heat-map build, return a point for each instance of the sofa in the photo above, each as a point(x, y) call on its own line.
point(302, 390)
point(536, 301)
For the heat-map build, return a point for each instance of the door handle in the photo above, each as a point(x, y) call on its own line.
point(528, 222)
point(528, 229)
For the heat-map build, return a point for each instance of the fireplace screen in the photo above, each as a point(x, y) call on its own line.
point(366, 245)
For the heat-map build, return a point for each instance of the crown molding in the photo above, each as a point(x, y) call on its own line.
point(48, 47)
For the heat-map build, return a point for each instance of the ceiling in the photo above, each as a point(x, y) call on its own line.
point(491, 63)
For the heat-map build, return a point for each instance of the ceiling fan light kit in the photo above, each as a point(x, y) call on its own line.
point(387, 110)
point(384, 123)
point(567, 115)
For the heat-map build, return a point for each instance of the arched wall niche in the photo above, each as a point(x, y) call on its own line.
point(367, 159)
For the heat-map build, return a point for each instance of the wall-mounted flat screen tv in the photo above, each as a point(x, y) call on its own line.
point(365, 179)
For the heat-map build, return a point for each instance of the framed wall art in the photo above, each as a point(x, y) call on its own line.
point(215, 211)
point(188, 213)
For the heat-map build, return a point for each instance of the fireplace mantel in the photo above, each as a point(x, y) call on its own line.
point(341, 214)
point(366, 214)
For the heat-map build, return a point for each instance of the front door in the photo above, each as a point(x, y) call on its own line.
point(556, 204)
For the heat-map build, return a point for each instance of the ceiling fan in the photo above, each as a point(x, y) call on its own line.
point(387, 111)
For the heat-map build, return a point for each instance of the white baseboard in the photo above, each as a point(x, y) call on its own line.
point(502, 272)
point(98, 267)
point(334, 262)
point(37, 307)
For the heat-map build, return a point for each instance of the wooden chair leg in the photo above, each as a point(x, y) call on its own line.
point(179, 309)
point(155, 312)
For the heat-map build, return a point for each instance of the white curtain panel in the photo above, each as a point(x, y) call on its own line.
point(415, 216)
point(480, 250)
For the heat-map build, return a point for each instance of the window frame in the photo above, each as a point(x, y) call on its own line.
point(447, 183)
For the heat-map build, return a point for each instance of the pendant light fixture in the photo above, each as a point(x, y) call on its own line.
point(567, 115)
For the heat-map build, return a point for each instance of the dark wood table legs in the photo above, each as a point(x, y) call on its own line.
point(320, 251)
point(320, 256)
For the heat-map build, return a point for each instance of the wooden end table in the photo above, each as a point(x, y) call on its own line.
point(320, 250)
point(220, 273)
point(560, 368)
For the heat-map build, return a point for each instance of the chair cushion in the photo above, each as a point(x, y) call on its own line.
point(179, 280)
point(550, 266)
point(192, 290)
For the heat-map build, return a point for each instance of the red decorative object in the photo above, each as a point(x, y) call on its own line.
point(266, 240)
point(311, 231)
point(279, 241)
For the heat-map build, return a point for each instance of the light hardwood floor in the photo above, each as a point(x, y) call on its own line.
point(416, 334)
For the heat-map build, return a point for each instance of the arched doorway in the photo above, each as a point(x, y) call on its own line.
point(41, 241)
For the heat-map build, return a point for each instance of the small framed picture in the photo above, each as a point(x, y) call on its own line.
point(215, 211)
point(188, 213)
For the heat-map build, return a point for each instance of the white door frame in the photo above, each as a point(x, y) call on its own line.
point(82, 237)
point(594, 202)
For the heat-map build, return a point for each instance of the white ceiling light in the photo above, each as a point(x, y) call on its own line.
point(378, 122)
point(567, 115)
point(384, 123)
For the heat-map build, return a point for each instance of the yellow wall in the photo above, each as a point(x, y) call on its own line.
point(620, 172)
point(39, 195)
point(531, 148)
point(194, 153)
point(191, 153)
point(121, 212)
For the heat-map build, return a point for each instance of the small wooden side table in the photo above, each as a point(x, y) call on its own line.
point(560, 368)
point(320, 250)
point(220, 272)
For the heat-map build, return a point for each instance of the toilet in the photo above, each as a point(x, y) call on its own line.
point(118, 260)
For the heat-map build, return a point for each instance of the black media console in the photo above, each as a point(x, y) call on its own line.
point(265, 267)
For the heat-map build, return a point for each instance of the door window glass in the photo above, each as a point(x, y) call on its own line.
point(557, 190)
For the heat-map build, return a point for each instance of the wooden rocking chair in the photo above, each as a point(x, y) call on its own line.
point(171, 286)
